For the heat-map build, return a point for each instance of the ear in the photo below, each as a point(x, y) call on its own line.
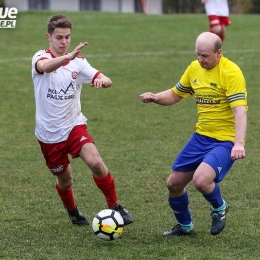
point(219, 52)
point(48, 36)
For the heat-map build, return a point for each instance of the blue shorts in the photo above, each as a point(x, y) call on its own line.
point(205, 149)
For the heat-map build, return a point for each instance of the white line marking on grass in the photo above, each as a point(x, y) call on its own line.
point(134, 54)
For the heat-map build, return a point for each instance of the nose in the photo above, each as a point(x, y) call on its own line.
point(200, 58)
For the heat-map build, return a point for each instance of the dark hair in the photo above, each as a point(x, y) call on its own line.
point(58, 21)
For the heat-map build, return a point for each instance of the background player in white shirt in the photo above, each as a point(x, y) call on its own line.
point(61, 127)
point(218, 15)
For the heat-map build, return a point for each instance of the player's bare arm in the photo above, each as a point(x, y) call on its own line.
point(165, 98)
point(102, 81)
point(50, 65)
point(238, 151)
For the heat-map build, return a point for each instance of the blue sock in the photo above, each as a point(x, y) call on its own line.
point(215, 198)
point(181, 210)
point(221, 208)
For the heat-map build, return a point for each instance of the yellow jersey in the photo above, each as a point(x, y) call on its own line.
point(216, 92)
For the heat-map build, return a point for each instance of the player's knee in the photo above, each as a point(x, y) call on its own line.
point(173, 186)
point(217, 30)
point(65, 184)
point(200, 183)
point(96, 165)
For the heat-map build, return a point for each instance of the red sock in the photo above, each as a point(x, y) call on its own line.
point(222, 37)
point(66, 196)
point(107, 186)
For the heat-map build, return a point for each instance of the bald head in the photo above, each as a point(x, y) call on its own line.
point(208, 41)
point(208, 50)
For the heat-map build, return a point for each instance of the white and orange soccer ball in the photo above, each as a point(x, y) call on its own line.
point(108, 224)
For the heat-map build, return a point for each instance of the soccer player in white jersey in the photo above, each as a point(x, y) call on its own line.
point(218, 16)
point(220, 94)
point(61, 127)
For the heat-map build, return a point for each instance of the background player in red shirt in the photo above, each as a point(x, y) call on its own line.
point(218, 15)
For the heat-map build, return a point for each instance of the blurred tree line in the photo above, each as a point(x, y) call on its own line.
point(195, 6)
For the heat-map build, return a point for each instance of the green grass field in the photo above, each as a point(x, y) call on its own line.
point(137, 141)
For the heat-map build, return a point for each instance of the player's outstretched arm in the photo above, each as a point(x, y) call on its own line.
point(165, 98)
point(50, 65)
point(102, 81)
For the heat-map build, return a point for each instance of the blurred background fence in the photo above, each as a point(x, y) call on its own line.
point(146, 6)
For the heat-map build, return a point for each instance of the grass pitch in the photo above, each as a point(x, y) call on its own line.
point(137, 141)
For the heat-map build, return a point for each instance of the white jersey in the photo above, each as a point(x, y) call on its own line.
point(57, 97)
point(217, 7)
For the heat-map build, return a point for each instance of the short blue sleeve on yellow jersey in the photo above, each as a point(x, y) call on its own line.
point(216, 92)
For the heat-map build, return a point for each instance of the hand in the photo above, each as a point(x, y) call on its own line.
point(238, 152)
point(76, 51)
point(147, 97)
point(99, 83)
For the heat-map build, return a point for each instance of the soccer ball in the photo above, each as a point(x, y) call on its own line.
point(108, 224)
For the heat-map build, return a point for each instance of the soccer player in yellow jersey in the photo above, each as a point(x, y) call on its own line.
point(220, 93)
